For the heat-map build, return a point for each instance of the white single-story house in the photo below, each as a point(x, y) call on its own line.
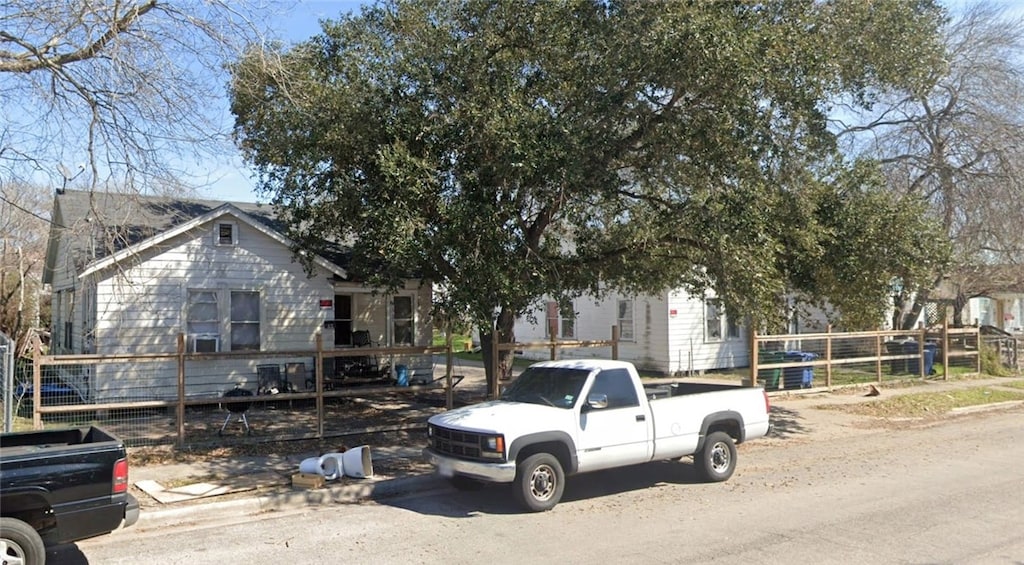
point(670, 333)
point(129, 274)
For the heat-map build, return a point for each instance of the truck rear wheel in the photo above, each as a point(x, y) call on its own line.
point(540, 482)
point(716, 461)
point(20, 544)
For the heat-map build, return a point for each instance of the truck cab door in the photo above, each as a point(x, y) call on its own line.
point(616, 430)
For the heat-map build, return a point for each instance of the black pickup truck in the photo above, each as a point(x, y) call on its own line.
point(59, 486)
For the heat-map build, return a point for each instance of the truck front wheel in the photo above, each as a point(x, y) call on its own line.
point(540, 482)
point(716, 461)
point(20, 544)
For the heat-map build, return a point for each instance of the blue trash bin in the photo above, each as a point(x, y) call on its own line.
point(914, 365)
point(402, 375)
point(930, 349)
point(798, 377)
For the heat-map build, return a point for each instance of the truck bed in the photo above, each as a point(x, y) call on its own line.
point(668, 390)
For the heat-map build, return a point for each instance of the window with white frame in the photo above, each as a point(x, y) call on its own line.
point(226, 233)
point(245, 320)
point(403, 320)
point(717, 324)
point(624, 319)
point(569, 323)
point(203, 321)
point(550, 319)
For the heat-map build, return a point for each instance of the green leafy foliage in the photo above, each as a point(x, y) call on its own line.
point(510, 150)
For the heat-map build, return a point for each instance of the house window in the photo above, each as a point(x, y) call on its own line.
point(712, 320)
point(625, 320)
point(569, 324)
point(227, 233)
point(203, 321)
point(342, 320)
point(245, 321)
point(403, 320)
point(550, 319)
point(717, 323)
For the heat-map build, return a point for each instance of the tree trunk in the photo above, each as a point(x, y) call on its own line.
point(504, 326)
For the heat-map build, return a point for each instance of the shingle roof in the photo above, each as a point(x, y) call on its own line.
point(125, 220)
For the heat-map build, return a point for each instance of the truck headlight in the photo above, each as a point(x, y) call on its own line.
point(492, 446)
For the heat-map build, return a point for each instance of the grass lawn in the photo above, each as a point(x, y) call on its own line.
point(916, 405)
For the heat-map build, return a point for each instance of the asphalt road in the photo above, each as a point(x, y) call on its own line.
point(949, 492)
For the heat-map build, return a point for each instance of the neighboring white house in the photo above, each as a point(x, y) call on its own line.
point(671, 333)
point(129, 274)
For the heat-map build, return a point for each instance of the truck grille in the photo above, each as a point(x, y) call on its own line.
point(464, 445)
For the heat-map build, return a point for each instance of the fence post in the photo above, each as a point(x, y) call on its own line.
point(920, 354)
point(977, 341)
point(615, 343)
point(319, 385)
point(495, 364)
point(37, 380)
point(945, 350)
point(828, 356)
point(878, 358)
point(753, 355)
point(180, 411)
point(449, 358)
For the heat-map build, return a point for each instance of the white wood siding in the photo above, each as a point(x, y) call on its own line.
point(690, 349)
point(141, 308)
point(594, 320)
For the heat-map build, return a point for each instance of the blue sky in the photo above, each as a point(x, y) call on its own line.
point(229, 179)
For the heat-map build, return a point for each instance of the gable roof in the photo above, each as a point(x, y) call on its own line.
point(129, 224)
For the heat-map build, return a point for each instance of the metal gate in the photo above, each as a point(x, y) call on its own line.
point(7, 380)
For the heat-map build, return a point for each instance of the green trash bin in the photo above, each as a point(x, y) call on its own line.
point(770, 377)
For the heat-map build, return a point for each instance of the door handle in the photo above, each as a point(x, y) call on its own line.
point(640, 418)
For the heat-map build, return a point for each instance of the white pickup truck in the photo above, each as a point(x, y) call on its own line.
point(566, 417)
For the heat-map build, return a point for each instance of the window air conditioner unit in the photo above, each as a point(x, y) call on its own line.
point(205, 344)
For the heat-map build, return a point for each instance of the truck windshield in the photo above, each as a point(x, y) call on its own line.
point(551, 386)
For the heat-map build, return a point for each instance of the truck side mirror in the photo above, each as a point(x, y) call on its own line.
point(597, 401)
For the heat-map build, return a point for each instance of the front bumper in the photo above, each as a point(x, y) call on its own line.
point(490, 472)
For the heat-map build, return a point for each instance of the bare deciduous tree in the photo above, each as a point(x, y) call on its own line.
point(958, 146)
point(117, 95)
point(24, 229)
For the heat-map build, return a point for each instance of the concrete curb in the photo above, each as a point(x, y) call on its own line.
point(290, 498)
point(987, 407)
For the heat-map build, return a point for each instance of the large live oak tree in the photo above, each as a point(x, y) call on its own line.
point(509, 151)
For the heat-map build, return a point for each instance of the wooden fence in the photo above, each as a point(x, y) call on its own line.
point(860, 357)
point(307, 401)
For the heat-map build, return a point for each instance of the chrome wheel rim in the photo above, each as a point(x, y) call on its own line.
point(720, 457)
point(543, 482)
